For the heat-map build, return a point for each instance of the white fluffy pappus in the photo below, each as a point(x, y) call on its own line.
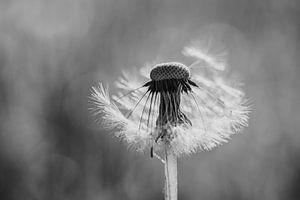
point(208, 107)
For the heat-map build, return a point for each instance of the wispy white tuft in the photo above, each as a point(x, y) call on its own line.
point(217, 62)
point(217, 108)
point(113, 119)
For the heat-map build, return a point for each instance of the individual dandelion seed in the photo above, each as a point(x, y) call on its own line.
point(177, 111)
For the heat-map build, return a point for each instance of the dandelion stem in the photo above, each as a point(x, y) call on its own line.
point(170, 174)
point(159, 158)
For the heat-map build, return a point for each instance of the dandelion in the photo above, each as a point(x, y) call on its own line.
point(178, 110)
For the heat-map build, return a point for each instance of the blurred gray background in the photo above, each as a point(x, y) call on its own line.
point(52, 52)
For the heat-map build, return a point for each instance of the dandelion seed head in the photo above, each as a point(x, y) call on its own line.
point(183, 109)
point(171, 70)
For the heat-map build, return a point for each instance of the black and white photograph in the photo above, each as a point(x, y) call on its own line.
point(149, 99)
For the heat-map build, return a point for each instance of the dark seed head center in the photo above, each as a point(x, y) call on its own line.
point(168, 82)
point(170, 70)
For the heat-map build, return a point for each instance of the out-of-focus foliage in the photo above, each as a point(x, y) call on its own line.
point(52, 52)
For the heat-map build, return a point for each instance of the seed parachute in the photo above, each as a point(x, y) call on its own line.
point(187, 108)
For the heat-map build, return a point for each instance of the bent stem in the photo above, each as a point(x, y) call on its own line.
point(170, 175)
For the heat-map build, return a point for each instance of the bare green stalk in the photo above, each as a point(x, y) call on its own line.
point(170, 175)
